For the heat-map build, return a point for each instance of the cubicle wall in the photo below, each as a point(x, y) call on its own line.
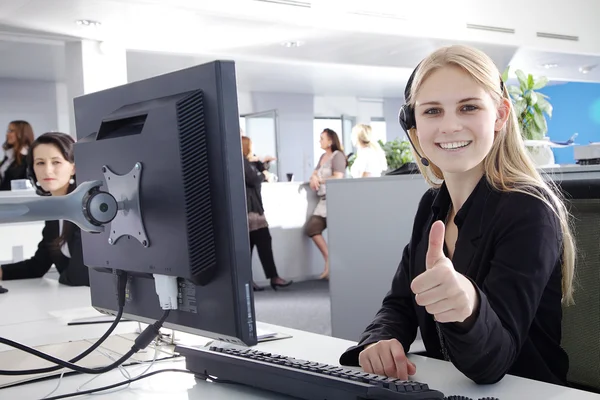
point(369, 222)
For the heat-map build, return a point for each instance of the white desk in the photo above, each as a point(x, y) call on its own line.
point(26, 317)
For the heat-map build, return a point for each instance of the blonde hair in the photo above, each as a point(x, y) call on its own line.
point(507, 166)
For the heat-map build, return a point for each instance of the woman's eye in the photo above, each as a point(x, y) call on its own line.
point(39, 163)
point(432, 111)
point(469, 108)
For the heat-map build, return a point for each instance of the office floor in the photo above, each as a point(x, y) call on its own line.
point(303, 305)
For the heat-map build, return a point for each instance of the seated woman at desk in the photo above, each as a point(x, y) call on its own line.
point(491, 257)
point(51, 168)
point(257, 222)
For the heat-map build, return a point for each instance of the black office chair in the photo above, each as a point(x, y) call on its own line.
point(581, 322)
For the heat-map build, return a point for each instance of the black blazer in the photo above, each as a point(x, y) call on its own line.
point(72, 270)
point(254, 179)
point(509, 246)
point(14, 171)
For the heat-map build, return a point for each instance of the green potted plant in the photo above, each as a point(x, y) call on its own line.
point(399, 157)
point(531, 106)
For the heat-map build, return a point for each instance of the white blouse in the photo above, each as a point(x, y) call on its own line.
point(368, 160)
point(65, 247)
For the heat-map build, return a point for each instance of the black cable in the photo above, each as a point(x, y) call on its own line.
point(121, 287)
point(141, 342)
point(127, 381)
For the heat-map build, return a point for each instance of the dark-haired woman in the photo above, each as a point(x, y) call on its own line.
point(51, 168)
point(13, 166)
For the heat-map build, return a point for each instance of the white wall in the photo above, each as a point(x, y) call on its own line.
point(362, 109)
point(32, 101)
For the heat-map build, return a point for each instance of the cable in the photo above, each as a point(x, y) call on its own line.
point(141, 342)
point(128, 381)
point(121, 287)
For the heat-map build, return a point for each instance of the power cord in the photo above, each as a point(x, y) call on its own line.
point(121, 288)
point(141, 342)
point(127, 382)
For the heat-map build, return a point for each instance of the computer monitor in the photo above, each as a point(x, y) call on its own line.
point(168, 149)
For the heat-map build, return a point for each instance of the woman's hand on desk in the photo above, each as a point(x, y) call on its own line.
point(386, 357)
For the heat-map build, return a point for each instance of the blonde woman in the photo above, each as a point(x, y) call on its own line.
point(491, 258)
point(370, 158)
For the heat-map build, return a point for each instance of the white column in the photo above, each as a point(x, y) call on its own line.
point(92, 66)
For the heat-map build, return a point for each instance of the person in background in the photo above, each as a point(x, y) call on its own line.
point(51, 168)
point(491, 259)
point(19, 137)
point(332, 165)
point(257, 222)
point(261, 165)
point(370, 158)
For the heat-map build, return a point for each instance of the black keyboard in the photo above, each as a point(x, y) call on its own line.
point(299, 378)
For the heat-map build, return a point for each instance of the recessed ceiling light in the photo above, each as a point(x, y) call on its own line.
point(586, 69)
point(549, 65)
point(294, 43)
point(87, 22)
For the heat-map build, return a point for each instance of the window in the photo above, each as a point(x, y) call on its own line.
point(379, 129)
point(319, 125)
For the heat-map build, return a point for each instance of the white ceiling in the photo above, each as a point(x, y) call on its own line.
point(343, 53)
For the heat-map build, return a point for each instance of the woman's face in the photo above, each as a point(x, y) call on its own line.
point(325, 142)
point(457, 120)
point(11, 135)
point(51, 169)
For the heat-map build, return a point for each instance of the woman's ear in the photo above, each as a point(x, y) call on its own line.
point(502, 114)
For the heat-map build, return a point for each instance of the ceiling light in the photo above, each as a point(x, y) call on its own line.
point(87, 22)
point(549, 65)
point(586, 69)
point(292, 44)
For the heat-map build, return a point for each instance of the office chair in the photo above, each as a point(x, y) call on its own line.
point(581, 322)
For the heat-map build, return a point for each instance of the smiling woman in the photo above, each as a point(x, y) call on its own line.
point(50, 166)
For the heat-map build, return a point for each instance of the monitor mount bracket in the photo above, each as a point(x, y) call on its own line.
point(126, 191)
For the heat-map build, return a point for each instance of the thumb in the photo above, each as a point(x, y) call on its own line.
point(435, 250)
point(411, 368)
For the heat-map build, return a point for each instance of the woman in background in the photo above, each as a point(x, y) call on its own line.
point(51, 168)
point(257, 222)
point(370, 158)
point(19, 137)
point(332, 165)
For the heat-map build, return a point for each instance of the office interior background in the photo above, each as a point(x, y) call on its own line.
point(315, 63)
point(302, 66)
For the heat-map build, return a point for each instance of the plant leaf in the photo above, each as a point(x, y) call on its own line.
point(515, 91)
point(530, 82)
point(505, 73)
point(521, 76)
point(541, 82)
point(544, 105)
point(540, 122)
point(520, 106)
point(533, 98)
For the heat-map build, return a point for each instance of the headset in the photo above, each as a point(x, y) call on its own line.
point(406, 115)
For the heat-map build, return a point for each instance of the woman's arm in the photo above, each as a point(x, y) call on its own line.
point(252, 176)
point(526, 253)
point(36, 266)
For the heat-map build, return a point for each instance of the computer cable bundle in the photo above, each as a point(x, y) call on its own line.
point(121, 288)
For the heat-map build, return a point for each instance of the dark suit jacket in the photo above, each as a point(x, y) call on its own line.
point(72, 270)
point(254, 179)
point(13, 172)
point(509, 246)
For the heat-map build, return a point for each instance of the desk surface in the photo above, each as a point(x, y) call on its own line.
point(29, 316)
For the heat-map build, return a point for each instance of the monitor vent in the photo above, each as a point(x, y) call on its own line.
point(292, 3)
point(194, 166)
point(557, 36)
point(490, 28)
